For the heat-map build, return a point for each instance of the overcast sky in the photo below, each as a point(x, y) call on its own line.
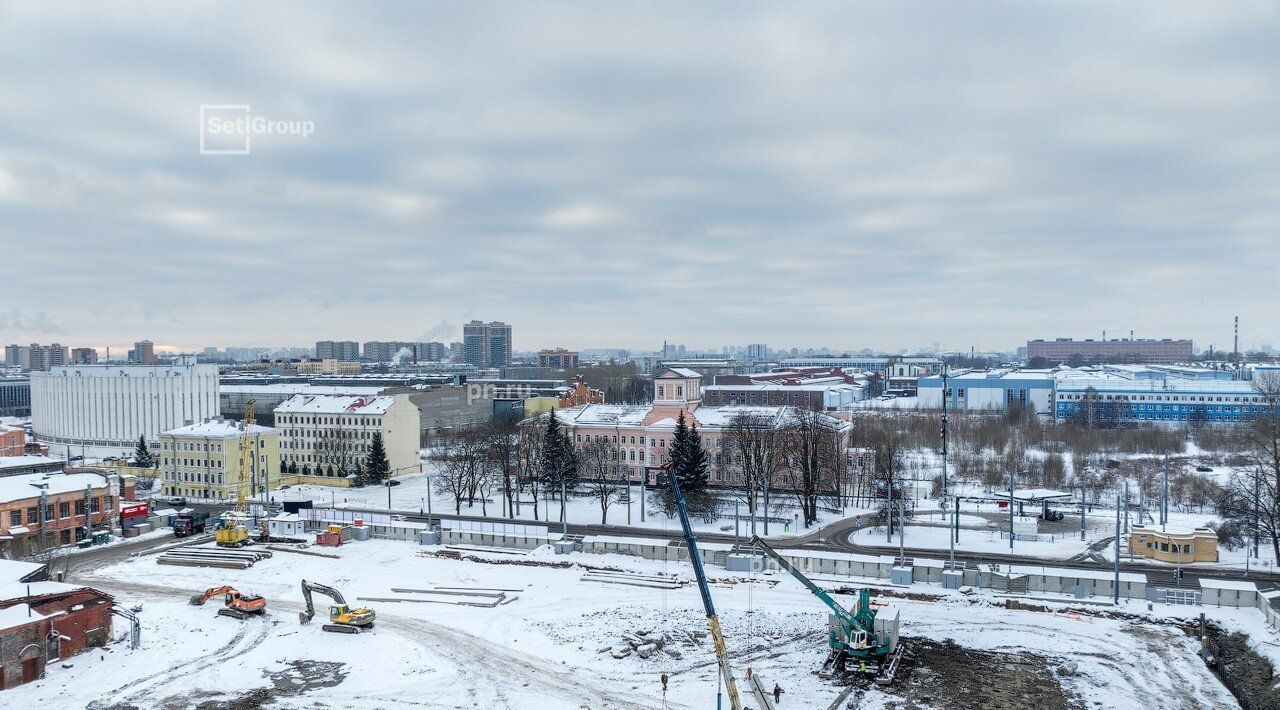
point(615, 174)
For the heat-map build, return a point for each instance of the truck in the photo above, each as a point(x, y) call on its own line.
point(189, 523)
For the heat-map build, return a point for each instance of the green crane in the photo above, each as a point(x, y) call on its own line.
point(849, 635)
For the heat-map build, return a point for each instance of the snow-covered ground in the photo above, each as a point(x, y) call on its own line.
point(411, 494)
point(542, 650)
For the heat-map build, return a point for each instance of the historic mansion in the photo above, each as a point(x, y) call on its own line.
point(643, 432)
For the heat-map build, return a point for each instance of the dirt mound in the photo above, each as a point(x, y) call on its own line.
point(943, 674)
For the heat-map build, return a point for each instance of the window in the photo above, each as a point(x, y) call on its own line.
point(64, 510)
point(15, 517)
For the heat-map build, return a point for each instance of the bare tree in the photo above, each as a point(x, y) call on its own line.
point(1253, 497)
point(529, 457)
point(814, 451)
point(602, 470)
point(749, 456)
point(462, 460)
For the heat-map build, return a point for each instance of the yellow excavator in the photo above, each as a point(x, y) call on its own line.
point(233, 528)
point(342, 618)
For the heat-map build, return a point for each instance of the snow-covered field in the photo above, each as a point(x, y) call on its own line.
point(411, 494)
point(542, 650)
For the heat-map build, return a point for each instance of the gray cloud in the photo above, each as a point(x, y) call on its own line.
point(883, 175)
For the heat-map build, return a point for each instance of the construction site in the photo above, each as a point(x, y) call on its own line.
point(463, 619)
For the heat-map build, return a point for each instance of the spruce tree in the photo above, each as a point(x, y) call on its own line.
point(377, 468)
point(142, 455)
point(359, 478)
point(688, 461)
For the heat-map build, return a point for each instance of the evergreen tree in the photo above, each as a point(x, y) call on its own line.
point(142, 455)
point(359, 478)
point(377, 467)
point(306, 470)
point(688, 460)
point(559, 463)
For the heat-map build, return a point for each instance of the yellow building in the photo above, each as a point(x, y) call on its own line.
point(1177, 546)
point(203, 461)
point(328, 366)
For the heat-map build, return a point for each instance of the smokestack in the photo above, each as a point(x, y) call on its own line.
point(1131, 335)
point(1237, 338)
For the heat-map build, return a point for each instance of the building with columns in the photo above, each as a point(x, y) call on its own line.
point(643, 433)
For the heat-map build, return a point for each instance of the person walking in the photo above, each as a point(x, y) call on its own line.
point(777, 693)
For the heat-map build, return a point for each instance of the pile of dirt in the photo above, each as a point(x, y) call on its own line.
point(943, 674)
point(1247, 674)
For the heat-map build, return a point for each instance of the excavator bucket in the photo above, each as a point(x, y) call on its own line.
point(197, 600)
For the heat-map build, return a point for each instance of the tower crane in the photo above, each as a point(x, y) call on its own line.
point(849, 635)
point(232, 532)
point(713, 620)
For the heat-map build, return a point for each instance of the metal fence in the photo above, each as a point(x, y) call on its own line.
point(495, 528)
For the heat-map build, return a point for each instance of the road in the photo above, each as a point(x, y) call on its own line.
point(836, 538)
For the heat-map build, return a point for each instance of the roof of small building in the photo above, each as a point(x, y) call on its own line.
point(30, 485)
point(13, 570)
point(219, 429)
point(20, 461)
point(334, 404)
point(20, 590)
point(18, 615)
point(680, 372)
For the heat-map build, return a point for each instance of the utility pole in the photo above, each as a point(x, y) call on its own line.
point(1012, 470)
point(945, 376)
point(1081, 511)
point(952, 564)
point(888, 512)
point(1126, 504)
point(736, 521)
point(564, 511)
point(1164, 497)
point(1116, 598)
point(902, 534)
point(643, 482)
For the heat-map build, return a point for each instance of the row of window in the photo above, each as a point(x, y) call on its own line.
point(62, 510)
point(1160, 398)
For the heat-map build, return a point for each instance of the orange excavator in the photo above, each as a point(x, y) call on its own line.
point(235, 604)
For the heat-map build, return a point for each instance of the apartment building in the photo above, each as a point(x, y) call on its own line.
point(558, 359)
point(84, 356)
point(1064, 350)
point(487, 344)
point(326, 435)
point(204, 461)
point(337, 350)
point(328, 366)
point(39, 511)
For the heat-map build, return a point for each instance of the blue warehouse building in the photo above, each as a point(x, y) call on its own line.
point(1169, 400)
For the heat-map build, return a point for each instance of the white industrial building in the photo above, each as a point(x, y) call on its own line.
point(101, 410)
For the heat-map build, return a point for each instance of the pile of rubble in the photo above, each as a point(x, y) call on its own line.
point(646, 643)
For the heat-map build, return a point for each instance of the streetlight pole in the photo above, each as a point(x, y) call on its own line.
point(1012, 472)
point(945, 375)
point(564, 511)
point(1116, 597)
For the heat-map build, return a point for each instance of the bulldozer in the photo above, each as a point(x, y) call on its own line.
point(342, 618)
point(235, 604)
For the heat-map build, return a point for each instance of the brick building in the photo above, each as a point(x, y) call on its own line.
point(558, 359)
point(13, 441)
point(45, 621)
point(44, 510)
point(24, 646)
point(1062, 350)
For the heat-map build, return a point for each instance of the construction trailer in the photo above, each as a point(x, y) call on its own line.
point(860, 641)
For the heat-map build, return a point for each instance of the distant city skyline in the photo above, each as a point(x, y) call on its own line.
point(612, 175)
